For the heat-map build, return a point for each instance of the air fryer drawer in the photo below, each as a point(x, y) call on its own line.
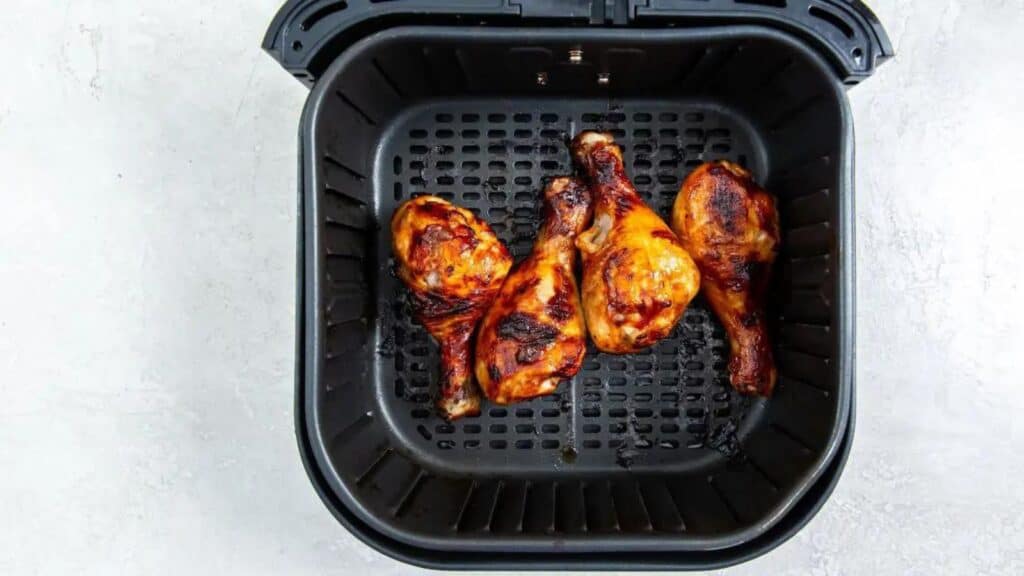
point(651, 451)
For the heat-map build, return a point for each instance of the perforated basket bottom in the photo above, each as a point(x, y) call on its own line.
point(670, 408)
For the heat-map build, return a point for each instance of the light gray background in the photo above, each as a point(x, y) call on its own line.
point(147, 240)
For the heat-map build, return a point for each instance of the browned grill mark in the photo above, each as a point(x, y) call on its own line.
point(727, 206)
point(525, 329)
point(566, 207)
point(665, 235)
point(526, 285)
point(615, 259)
point(560, 307)
point(430, 306)
point(436, 210)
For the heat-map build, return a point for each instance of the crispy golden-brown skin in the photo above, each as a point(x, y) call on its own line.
point(533, 336)
point(731, 227)
point(454, 265)
point(637, 278)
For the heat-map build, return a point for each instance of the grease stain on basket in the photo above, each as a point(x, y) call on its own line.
point(724, 440)
point(387, 346)
point(625, 455)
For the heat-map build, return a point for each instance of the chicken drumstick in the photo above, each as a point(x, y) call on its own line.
point(533, 336)
point(731, 227)
point(454, 265)
point(637, 278)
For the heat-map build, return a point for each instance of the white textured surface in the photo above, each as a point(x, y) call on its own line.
point(146, 306)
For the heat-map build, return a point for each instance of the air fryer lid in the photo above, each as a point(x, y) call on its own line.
point(306, 35)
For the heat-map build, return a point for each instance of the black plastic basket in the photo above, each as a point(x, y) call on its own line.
point(646, 460)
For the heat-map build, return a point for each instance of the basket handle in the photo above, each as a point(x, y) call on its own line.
point(306, 35)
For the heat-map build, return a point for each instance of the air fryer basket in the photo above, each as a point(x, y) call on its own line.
point(646, 450)
point(646, 453)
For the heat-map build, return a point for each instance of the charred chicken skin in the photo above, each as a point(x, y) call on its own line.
point(637, 278)
point(731, 227)
point(454, 266)
point(533, 336)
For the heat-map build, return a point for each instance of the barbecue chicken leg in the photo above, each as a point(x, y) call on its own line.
point(533, 336)
point(454, 265)
point(637, 278)
point(730, 226)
